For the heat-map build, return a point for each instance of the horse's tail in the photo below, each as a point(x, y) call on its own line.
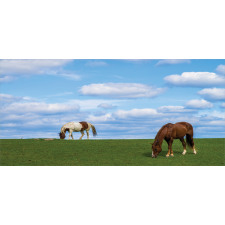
point(189, 137)
point(189, 140)
point(93, 130)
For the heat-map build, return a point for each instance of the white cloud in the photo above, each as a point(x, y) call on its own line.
point(195, 79)
point(11, 68)
point(8, 125)
point(218, 114)
point(136, 113)
point(221, 69)
point(213, 93)
point(8, 98)
point(70, 76)
point(125, 114)
point(94, 103)
point(29, 66)
point(38, 107)
point(199, 104)
point(173, 109)
point(102, 118)
point(172, 61)
point(121, 90)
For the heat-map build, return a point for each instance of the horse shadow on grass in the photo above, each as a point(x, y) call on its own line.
point(149, 154)
point(161, 154)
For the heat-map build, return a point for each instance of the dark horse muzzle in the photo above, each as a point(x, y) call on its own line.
point(62, 135)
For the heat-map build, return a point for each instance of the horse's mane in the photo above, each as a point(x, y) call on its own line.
point(168, 125)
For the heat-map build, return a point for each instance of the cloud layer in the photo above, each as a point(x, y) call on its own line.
point(215, 94)
point(172, 61)
point(195, 79)
point(221, 69)
point(199, 104)
point(30, 66)
point(10, 69)
point(38, 107)
point(121, 90)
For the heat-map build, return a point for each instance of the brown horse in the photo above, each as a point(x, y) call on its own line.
point(169, 132)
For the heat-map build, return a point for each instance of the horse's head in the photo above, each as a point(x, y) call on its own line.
point(62, 135)
point(156, 149)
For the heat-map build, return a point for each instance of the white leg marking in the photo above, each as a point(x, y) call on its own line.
point(195, 152)
point(184, 152)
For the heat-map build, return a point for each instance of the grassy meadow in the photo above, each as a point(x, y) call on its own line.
point(135, 152)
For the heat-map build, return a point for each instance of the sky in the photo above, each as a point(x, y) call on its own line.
point(123, 99)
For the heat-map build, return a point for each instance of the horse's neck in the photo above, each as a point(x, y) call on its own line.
point(63, 129)
point(159, 137)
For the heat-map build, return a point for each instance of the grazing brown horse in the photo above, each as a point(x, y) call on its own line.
point(169, 132)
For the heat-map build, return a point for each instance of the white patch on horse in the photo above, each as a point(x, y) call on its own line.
point(184, 152)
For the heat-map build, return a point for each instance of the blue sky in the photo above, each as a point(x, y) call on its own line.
point(122, 98)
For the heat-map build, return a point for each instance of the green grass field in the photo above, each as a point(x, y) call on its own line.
point(30, 152)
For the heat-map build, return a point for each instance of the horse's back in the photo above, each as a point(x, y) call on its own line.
point(183, 128)
point(185, 124)
point(75, 126)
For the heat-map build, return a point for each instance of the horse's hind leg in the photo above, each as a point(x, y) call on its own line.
point(190, 141)
point(87, 134)
point(82, 134)
point(184, 146)
point(194, 151)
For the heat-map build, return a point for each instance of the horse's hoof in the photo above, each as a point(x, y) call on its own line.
point(172, 155)
point(167, 156)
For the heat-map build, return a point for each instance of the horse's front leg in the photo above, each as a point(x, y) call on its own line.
point(69, 135)
point(168, 153)
point(82, 134)
point(170, 150)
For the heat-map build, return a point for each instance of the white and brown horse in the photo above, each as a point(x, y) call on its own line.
point(77, 127)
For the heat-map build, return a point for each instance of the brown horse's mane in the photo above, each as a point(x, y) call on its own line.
point(158, 135)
